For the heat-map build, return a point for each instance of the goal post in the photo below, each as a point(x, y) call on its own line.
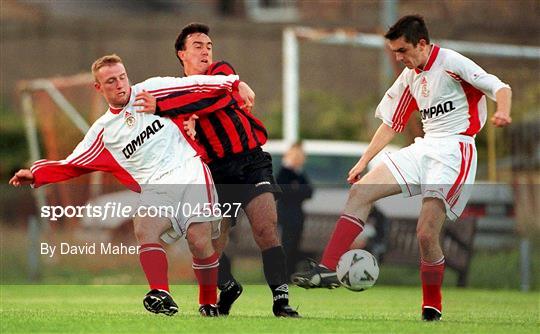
point(47, 94)
point(293, 36)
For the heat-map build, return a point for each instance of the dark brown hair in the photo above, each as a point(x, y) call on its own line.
point(191, 28)
point(412, 27)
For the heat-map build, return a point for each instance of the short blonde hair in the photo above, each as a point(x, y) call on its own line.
point(107, 60)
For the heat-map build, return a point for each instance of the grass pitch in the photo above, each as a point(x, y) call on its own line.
point(118, 309)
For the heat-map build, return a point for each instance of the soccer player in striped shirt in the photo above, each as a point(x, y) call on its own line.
point(231, 139)
point(149, 155)
point(449, 91)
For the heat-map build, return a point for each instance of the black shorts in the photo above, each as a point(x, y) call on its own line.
point(241, 177)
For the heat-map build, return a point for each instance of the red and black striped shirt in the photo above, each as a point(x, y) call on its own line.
point(223, 128)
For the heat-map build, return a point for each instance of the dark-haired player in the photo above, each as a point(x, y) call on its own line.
point(231, 139)
point(448, 90)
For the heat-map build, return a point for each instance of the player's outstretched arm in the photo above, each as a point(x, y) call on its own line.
point(191, 102)
point(502, 117)
point(21, 178)
point(382, 137)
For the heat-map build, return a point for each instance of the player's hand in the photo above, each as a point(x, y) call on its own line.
point(189, 126)
point(354, 173)
point(247, 94)
point(22, 177)
point(501, 119)
point(146, 102)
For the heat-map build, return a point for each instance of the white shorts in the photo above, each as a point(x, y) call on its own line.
point(443, 168)
point(185, 195)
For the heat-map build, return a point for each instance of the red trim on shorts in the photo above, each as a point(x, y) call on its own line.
point(444, 200)
point(468, 168)
point(408, 189)
point(466, 158)
point(461, 171)
point(208, 188)
point(209, 173)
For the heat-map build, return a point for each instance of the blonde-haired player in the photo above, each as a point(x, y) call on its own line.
point(151, 155)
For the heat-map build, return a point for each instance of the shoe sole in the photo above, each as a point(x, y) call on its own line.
point(286, 315)
point(155, 305)
point(306, 284)
point(209, 315)
point(433, 316)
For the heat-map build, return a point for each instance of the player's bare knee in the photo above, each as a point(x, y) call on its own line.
point(198, 245)
point(358, 196)
point(265, 236)
point(357, 204)
point(143, 232)
point(426, 236)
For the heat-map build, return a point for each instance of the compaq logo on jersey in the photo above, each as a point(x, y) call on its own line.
point(437, 110)
point(137, 148)
point(449, 92)
point(151, 129)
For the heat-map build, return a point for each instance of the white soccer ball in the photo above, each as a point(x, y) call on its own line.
point(357, 270)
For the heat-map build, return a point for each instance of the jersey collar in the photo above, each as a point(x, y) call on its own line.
point(115, 110)
point(431, 59)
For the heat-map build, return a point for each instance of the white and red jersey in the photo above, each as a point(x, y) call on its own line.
point(138, 148)
point(449, 92)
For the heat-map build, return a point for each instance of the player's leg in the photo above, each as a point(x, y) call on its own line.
point(377, 184)
point(448, 172)
point(221, 242)
point(262, 215)
point(229, 288)
point(445, 194)
point(290, 240)
point(205, 265)
point(153, 259)
point(432, 217)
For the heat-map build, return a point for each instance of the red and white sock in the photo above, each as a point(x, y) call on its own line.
point(206, 271)
point(153, 260)
point(347, 229)
point(432, 274)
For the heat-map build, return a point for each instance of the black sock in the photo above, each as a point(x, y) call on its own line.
point(225, 277)
point(275, 272)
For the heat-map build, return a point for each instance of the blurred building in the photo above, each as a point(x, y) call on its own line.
point(59, 38)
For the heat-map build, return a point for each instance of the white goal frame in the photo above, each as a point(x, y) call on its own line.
point(291, 63)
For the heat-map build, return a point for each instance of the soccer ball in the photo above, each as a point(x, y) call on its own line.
point(357, 270)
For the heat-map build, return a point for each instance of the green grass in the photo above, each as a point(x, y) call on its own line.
point(118, 309)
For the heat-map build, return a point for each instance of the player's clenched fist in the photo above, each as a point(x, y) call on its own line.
point(501, 119)
point(247, 94)
point(22, 177)
point(355, 172)
point(146, 102)
point(189, 126)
